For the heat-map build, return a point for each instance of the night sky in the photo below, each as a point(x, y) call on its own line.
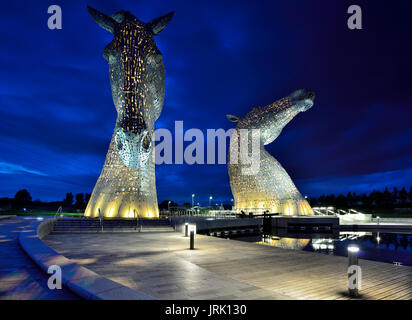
point(57, 114)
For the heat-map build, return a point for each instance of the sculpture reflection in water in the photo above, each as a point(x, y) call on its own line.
point(270, 189)
point(127, 184)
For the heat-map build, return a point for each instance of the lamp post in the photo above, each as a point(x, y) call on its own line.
point(193, 199)
point(210, 201)
point(354, 271)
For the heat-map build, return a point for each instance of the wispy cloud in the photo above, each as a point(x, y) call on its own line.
point(11, 168)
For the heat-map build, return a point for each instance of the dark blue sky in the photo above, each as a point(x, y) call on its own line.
point(57, 114)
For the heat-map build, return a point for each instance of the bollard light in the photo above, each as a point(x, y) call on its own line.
point(192, 230)
point(354, 271)
point(186, 229)
point(192, 227)
point(378, 219)
point(192, 240)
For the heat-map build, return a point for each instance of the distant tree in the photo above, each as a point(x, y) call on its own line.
point(313, 202)
point(330, 200)
point(341, 201)
point(410, 194)
point(87, 197)
point(164, 205)
point(387, 197)
point(80, 204)
point(378, 198)
point(227, 206)
point(403, 195)
point(68, 201)
point(365, 200)
point(349, 199)
point(395, 195)
point(22, 197)
point(322, 200)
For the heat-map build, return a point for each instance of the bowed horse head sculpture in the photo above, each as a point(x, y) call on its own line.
point(270, 189)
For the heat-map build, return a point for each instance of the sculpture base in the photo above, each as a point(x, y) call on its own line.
point(284, 207)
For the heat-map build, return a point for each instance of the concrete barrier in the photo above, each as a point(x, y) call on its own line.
point(80, 280)
point(7, 217)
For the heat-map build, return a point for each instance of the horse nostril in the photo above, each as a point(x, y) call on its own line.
point(146, 142)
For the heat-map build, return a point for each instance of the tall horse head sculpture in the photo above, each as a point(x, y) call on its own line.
point(126, 186)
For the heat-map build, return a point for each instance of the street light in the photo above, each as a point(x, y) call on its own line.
point(193, 197)
point(168, 206)
point(210, 201)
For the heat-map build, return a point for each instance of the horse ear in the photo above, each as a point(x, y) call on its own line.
point(157, 25)
point(232, 118)
point(102, 19)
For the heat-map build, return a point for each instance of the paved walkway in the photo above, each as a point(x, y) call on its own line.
point(159, 264)
point(20, 278)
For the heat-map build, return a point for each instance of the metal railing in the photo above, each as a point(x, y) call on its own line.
point(56, 217)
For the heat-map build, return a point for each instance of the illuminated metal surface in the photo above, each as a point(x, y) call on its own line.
point(271, 188)
point(126, 186)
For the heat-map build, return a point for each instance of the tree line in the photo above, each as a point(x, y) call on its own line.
point(396, 198)
point(23, 199)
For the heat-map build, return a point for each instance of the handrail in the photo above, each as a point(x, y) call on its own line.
point(101, 220)
point(59, 210)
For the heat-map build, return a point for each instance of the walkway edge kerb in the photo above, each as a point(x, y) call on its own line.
point(78, 279)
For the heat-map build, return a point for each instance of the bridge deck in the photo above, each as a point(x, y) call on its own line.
point(160, 265)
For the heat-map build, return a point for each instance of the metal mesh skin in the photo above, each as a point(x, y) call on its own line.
point(126, 187)
point(270, 188)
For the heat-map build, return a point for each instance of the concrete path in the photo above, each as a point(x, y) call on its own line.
point(160, 264)
point(157, 264)
point(20, 278)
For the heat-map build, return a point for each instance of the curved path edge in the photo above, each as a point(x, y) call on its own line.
point(78, 279)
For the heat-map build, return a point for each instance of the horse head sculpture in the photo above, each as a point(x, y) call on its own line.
point(270, 189)
point(137, 77)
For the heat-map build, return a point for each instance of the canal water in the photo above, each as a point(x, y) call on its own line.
point(385, 247)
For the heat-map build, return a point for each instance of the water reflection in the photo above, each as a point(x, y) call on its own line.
point(286, 243)
point(378, 246)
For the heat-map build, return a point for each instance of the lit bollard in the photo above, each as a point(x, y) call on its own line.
point(186, 229)
point(192, 240)
point(192, 230)
point(378, 218)
point(354, 271)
